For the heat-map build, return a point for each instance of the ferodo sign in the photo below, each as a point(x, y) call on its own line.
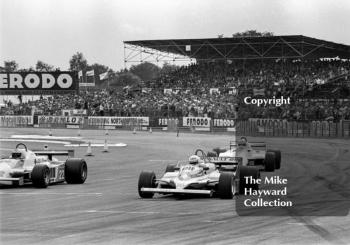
point(38, 82)
point(196, 121)
point(60, 120)
point(224, 122)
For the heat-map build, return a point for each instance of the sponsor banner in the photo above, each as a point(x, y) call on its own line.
point(118, 121)
point(60, 120)
point(196, 121)
point(263, 122)
point(13, 121)
point(201, 129)
point(168, 91)
point(233, 91)
point(38, 82)
point(223, 123)
point(72, 126)
point(214, 91)
point(165, 121)
point(259, 91)
point(146, 90)
point(74, 112)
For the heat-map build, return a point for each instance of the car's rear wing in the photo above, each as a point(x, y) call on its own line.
point(225, 160)
point(49, 154)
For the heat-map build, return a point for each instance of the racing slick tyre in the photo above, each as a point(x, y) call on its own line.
point(278, 158)
point(270, 161)
point(170, 168)
point(226, 186)
point(148, 180)
point(75, 171)
point(40, 176)
point(247, 171)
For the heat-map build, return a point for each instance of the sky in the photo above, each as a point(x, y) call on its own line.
point(53, 30)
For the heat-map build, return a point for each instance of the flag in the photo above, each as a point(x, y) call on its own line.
point(90, 77)
point(259, 91)
point(103, 76)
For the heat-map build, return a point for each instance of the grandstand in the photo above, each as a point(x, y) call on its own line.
point(310, 71)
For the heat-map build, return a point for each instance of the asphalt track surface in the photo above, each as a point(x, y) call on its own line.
point(107, 208)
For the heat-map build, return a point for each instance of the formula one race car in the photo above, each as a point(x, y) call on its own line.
point(252, 154)
point(40, 168)
point(221, 176)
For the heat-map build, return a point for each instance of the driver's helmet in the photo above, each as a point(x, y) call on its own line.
point(194, 159)
point(242, 143)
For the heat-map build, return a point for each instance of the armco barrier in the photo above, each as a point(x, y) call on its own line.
point(16, 121)
point(252, 127)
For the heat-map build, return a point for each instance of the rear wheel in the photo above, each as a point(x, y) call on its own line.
point(226, 186)
point(146, 180)
point(270, 161)
point(40, 176)
point(247, 171)
point(278, 158)
point(75, 171)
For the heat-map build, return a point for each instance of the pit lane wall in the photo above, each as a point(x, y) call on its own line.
point(251, 127)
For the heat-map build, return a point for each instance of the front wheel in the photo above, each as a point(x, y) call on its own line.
point(40, 176)
point(226, 186)
point(270, 161)
point(278, 158)
point(75, 171)
point(146, 180)
point(248, 177)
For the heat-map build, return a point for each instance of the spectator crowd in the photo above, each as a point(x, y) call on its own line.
point(191, 94)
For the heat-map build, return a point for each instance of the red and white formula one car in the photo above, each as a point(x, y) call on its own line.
point(40, 168)
point(201, 175)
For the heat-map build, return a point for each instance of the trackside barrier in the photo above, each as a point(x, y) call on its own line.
point(60, 121)
point(16, 121)
point(252, 127)
point(283, 128)
point(129, 123)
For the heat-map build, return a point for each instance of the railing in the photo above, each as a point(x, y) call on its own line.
point(251, 127)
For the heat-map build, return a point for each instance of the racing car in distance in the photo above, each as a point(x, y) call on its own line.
point(252, 154)
point(40, 168)
point(225, 178)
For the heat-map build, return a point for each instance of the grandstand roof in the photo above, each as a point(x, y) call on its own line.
point(271, 47)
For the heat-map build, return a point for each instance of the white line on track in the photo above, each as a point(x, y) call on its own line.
point(215, 221)
point(138, 212)
point(45, 137)
point(161, 160)
point(52, 193)
point(96, 145)
point(35, 140)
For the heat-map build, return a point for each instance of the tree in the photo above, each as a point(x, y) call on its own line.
point(78, 62)
point(98, 68)
point(42, 66)
point(146, 71)
point(252, 33)
point(10, 66)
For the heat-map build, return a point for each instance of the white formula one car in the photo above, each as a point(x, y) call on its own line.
point(252, 154)
point(222, 176)
point(40, 168)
